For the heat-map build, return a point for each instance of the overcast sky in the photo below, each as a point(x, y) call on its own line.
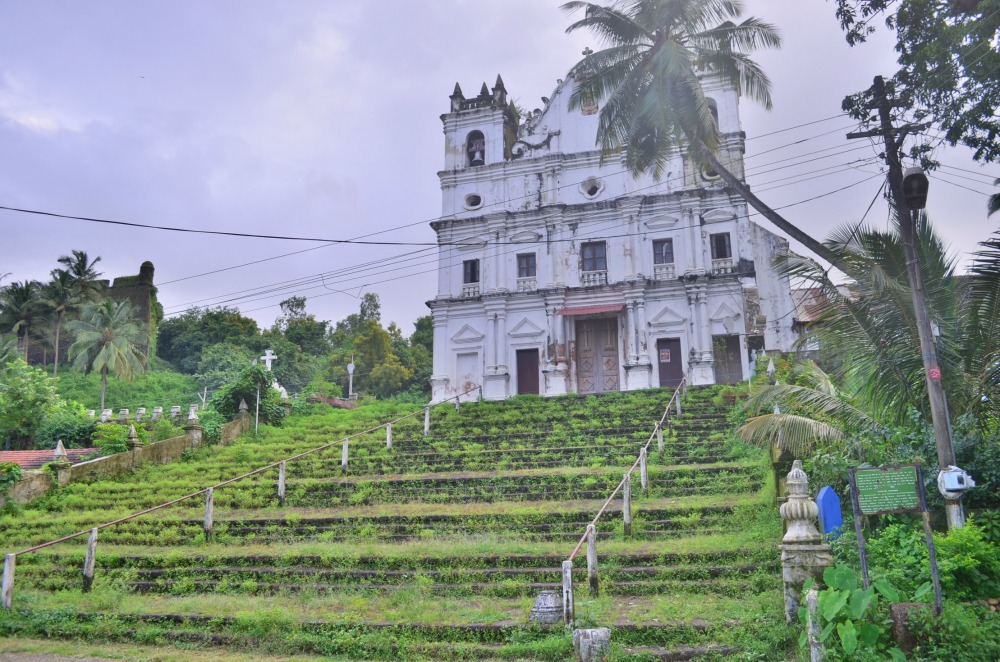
point(321, 119)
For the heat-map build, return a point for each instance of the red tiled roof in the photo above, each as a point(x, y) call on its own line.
point(38, 459)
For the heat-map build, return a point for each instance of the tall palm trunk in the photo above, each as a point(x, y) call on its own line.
point(104, 385)
point(743, 190)
point(55, 362)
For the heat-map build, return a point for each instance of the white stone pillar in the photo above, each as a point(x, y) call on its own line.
point(550, 337)
point(501, 339)
point(491, 345)
point(643, 331)
point(630, 331)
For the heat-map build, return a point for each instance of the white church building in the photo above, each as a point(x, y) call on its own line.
point(558, 274)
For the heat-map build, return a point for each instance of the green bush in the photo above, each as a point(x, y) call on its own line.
point(252, 379)
point(27, 395)
point(68, 423)
point(164, 429)
point(962, 633)
point(211, 423)
point(159, 388)
point(111, 438)
point(10, 473)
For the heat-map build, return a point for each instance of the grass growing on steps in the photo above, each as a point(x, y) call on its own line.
point(433, 551)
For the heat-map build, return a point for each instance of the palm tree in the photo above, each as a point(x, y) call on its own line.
point(648, 79)
point(19, 310)
point(8, 349)
point(108, 341)
point(58, 297)
point(83, 274)
point(993, 204)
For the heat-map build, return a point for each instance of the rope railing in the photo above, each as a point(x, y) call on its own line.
point(590, 535)
point(7, 586)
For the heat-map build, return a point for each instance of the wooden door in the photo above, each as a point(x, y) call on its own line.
point(668, 352)
point(597, 355)
point(527, 371)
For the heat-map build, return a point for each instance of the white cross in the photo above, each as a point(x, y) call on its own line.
point(268, 357)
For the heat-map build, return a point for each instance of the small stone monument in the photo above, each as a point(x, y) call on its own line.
point(105, 415)
point(831, 517)
point(60, 457)
point(193, 413)
point(175, 411)
point(157, 413)
point(140, 413)
point(803, 554)
point(91, 413)
point(548, 609)
point(592, 645)
point(123, 415)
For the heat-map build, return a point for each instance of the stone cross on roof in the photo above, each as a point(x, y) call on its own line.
point(268, 357)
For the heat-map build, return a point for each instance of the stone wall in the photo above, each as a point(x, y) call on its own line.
point(35, 484)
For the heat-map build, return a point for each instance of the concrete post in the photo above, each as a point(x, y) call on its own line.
point(643, 472)
point(817, 652)
point(194, 431)
point(569, 614)
point(7, 588)
point(592, 559)
point(627, 504)
point(659, 437)
point(678, 401)
point(209, 513)
point(803, 554)
point(458, 404)
point(89, 560)
point(134, 443)
point(427, 420)
point(388, 437)
point(281, 484)
point(591, 645)
point(343, 455)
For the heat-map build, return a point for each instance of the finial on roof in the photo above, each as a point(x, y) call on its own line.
point(587, 51)
point(457, 94)
point(485, 91)
point(60, 455)
point(499, 84)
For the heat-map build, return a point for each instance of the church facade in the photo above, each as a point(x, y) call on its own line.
point(558, 273)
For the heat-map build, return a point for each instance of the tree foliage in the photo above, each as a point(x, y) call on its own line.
point(27, 395)
point(948, 61)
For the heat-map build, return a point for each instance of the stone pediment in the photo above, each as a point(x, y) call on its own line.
point(526, 237)
point(718, 216)
point(526, 329)
point(471, 243)
point(667, 317)
point(664, 222)
point(723, 312)
point(467, 334)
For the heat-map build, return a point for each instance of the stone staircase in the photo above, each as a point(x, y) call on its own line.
point(433, 550)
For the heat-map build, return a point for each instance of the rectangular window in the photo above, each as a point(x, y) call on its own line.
point(663, 251)
point(526, 265)
point(721, 249)
point(470, 271)
point(595, 256)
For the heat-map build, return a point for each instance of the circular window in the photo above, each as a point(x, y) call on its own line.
point(473, 201)
point(591, 187)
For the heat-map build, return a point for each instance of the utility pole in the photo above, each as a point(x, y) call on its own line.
point(893, 137)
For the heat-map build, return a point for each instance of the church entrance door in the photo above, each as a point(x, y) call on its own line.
point(728, 366)
point(668, 353)
point(527, 371)
point(597, 355)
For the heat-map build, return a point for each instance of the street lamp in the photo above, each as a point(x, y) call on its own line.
point(952, 481)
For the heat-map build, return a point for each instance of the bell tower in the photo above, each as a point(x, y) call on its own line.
point(479, 131)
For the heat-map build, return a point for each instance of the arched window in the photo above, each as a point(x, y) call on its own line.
point(475, 148)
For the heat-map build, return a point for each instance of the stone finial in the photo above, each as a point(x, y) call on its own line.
point(91, 413)
point(548, 609)
point(799, 511)
point(193, 413)
point(105, 415)
point(243, 405)
point(133, 439)
point(157, 413)
point(140, 413)
point(123, 415)
point(60, 455)
point(175, 411)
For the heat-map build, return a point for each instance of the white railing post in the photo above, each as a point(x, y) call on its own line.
point(457, 403)
point(427, 420)
point(643, 473)
point(677, 400)
point(659, 437)
point(90, 560)
point(343, 455)
point(627, 504)
point(480, 397)
point(209, 513)
point(7, 589)
point(567, 586)
point(281, 484)
point(592, 559)
point(388, 437)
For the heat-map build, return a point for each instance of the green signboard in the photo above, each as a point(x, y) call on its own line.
point(889, 490)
